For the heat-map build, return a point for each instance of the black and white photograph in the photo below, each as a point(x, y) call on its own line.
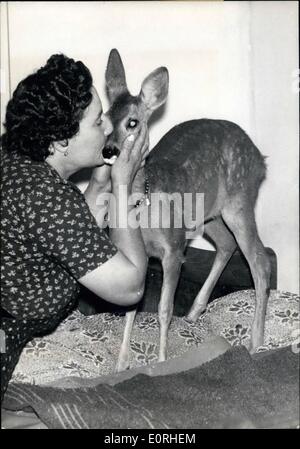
point(149, 217)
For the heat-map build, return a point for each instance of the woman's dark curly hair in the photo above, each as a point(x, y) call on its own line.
point(47, 106)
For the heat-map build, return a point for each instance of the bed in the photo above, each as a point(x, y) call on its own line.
point(67, 379)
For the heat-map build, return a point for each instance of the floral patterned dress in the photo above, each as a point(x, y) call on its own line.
point(49, 239)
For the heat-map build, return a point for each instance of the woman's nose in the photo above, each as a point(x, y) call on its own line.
point(108, 127)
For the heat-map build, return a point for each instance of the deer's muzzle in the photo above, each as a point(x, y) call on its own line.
point(109, 151)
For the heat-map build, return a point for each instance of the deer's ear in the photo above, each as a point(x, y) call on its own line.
point(115, 76)
point(155, 88)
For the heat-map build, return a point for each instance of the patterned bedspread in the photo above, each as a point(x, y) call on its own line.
point(88, 346)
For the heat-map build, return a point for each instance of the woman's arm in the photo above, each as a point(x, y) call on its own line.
point(121, 279)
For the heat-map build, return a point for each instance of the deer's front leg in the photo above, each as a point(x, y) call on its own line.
point(123, 360)
point(171, 270)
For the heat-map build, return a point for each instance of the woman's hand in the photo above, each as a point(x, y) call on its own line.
point(131, 158)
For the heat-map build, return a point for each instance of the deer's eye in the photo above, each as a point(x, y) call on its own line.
point(132, 123)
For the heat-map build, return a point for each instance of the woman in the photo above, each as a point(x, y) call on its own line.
point(51, 241)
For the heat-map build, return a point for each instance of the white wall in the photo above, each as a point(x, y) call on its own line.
point(4, 61)
point(220, 59)
point(274, 33)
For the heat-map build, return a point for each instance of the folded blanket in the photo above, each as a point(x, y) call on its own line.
point(232, 391)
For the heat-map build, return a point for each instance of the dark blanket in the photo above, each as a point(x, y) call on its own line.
point(234, 390)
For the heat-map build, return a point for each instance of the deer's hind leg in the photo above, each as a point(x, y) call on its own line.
point(238, 214)
point(225, 246)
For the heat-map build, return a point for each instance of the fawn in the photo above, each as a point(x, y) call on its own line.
point(215, 157)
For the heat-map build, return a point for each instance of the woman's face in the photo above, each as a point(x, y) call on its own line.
point(85, 148)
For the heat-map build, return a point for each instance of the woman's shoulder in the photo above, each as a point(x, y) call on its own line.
point(18, 167)
point(22, 173)
point(28, 185)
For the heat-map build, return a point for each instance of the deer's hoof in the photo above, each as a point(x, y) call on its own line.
point(122, 365)
point(255, 343)
point(189, 319)
point(192, 317)
point(162, 357)
point(194, 314)
point(252, 350)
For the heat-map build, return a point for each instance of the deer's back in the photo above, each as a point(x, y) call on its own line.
point(195, 154)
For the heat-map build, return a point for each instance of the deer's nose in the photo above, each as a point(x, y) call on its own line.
point(109, 151)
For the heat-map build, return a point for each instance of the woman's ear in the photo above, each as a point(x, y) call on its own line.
point(51, 149)
point(60, 146)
